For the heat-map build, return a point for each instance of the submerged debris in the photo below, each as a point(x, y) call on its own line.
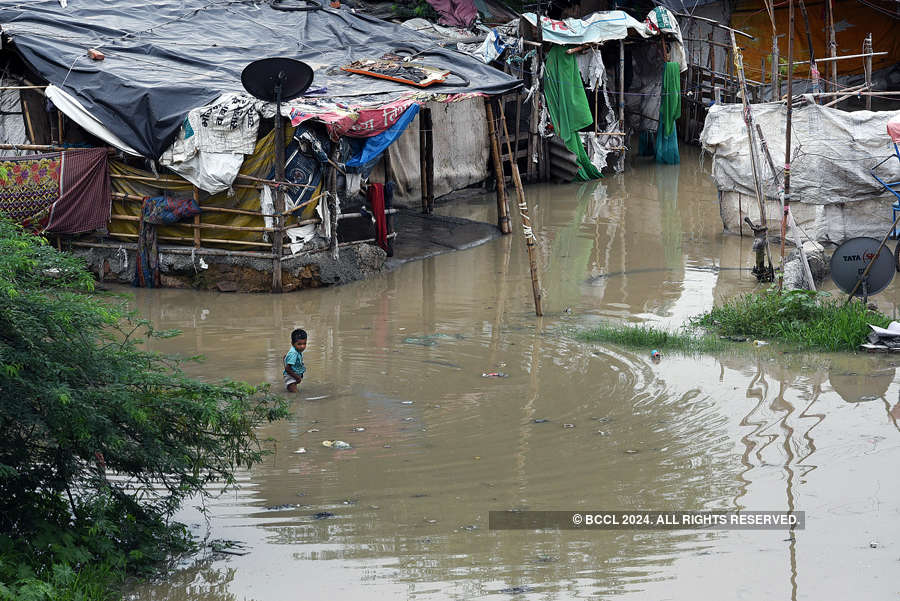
point(517, 590)
point(336, 444)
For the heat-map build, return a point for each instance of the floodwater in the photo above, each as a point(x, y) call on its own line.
point(402, 356)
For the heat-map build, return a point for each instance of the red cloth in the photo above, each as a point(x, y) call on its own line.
point(893, 129)
point(57, 192)
point(375, 196)
point(86, 199)
point(456, 13)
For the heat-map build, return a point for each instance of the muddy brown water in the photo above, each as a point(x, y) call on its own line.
point(402, 356)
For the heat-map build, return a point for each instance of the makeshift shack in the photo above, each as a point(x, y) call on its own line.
point(191, 191)
point(833, 194)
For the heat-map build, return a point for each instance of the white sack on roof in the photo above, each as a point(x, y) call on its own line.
point(74, 110)
point(832, 151)
point(213, 140)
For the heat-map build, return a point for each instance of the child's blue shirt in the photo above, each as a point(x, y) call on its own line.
point(295, 361)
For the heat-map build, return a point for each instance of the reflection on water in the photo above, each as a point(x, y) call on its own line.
point(573, 426)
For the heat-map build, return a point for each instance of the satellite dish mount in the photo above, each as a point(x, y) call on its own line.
point(275, 80)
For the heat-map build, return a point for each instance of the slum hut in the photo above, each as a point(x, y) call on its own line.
point(606, 76)
point(159, 168)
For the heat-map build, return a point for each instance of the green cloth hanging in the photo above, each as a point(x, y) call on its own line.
point(568, 106)
point(669, 111)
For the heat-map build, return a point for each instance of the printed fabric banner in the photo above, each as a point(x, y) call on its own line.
point(59, 192)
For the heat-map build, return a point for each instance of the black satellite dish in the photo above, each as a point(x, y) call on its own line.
point(276, 79)
point(850, 260)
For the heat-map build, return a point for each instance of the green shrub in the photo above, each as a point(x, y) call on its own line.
point(100, 440)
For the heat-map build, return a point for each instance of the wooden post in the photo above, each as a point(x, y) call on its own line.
point(748, 122)
point(333, 208)
point(813, 70)
point(831, 44)
point(502, 200)
point(196, 193)
point(278, 219)
point(518, 125)
point(423, 181)
point(527, 228)
point(776, 69)
point(622, 103)
point(867, 49)
point(426, 159)
point(787, 137)
point(389, 217)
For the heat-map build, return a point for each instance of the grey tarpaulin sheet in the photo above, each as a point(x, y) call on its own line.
point(832, 151)
point(166, 57)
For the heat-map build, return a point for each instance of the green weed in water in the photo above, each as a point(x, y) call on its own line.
point(639, 336)
point(799, 318)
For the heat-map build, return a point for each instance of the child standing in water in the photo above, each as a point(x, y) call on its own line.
point(293, 361)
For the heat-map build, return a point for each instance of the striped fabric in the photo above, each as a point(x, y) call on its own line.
point(57, 192)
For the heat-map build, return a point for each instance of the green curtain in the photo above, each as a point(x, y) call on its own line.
point(669, 111)
point(568, 106)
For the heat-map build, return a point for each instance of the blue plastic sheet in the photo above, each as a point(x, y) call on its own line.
point(367, 150)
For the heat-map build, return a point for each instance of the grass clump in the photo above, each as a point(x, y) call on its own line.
point(806, 320)
point(801, 318)
point(640, 336)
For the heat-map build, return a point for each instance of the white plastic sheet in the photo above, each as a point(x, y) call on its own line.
point(832, 152)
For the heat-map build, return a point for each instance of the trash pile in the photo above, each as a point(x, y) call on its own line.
point(883, 340)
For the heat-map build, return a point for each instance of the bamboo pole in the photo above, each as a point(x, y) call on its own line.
point(190, 241)
point(787, 138)
point(213, 252)
point(197, 243)
point(502, 200)
point(863, 55)
point(813, 69)
point(831, 43)
point(162, 182)
point(527, 228)
point(208, 209)
point(388, 209)
point(428, 200)
point(200, 226)
point(846, 94)
point(748, 122)
point(271, 182)
point(278, 219)
point(334, 209)
point(867, 48)
point(715, 23)
point(621, 166)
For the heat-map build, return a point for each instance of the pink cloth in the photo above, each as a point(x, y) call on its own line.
point(456, 13)
point(356, 122)
point(893, 129)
